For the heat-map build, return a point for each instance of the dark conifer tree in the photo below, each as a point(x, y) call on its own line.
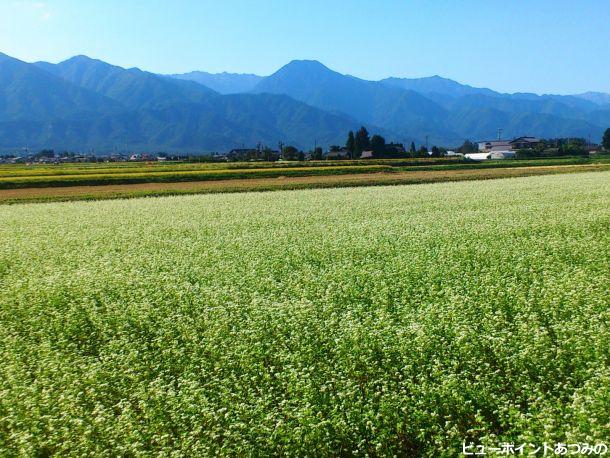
point(606, 140)
point(350, 145)
point(362, 142)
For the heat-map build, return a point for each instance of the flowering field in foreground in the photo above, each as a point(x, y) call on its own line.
point(386, 320)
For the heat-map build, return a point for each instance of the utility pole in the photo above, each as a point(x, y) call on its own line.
point(499, 134)
point(427, 143)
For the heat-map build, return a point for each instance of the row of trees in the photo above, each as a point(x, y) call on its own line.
point(360, 141)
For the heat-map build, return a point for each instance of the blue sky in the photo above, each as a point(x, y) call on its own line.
point(558, 46)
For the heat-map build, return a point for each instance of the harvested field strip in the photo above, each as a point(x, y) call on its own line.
point(78, 169)
point(173, 176)
point(269, 184)
point(21, 170)
point(203, 172)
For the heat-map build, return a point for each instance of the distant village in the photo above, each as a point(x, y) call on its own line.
point(358, 146)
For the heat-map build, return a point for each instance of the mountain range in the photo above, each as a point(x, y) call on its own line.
point(86, 104)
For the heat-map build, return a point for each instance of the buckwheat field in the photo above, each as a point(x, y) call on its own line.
point(372, 321)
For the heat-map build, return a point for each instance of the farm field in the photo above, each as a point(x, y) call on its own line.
point(25, 170)
point(388, 320)
point(37, 187)
point(14, 176)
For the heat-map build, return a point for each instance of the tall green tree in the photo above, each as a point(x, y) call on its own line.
point(378, 145)
point(350, 144)
point(468, 147)
point(362, 142)
point(606, 140)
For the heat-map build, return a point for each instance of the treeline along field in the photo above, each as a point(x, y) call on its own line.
point(382, 321)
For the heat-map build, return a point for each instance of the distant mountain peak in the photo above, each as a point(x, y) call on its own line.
point(306, 65)
point(81, 58)
point(307, 62)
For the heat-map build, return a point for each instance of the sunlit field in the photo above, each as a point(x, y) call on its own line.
point(15, 176)
point(397, 320)
point(21, 183)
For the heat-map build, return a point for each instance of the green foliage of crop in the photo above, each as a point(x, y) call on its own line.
point(40, 176)
point(152, 176)
point(33, 170)
point(379, 321)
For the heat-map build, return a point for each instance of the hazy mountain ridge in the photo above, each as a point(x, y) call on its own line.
point(223, 83)
point(598, 98)
point(133, 88)
point(84, 103)
point(371, 102)
point(446, 117)
point(436, 85)
point(132, 109)
point(27, 92)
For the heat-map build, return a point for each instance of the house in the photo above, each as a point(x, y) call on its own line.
point(367, 155)
point(524, 143)
point(338, 153)
point(450, 153)
point(487, 145)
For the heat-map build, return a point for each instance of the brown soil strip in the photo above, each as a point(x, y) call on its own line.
point(261, 184)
